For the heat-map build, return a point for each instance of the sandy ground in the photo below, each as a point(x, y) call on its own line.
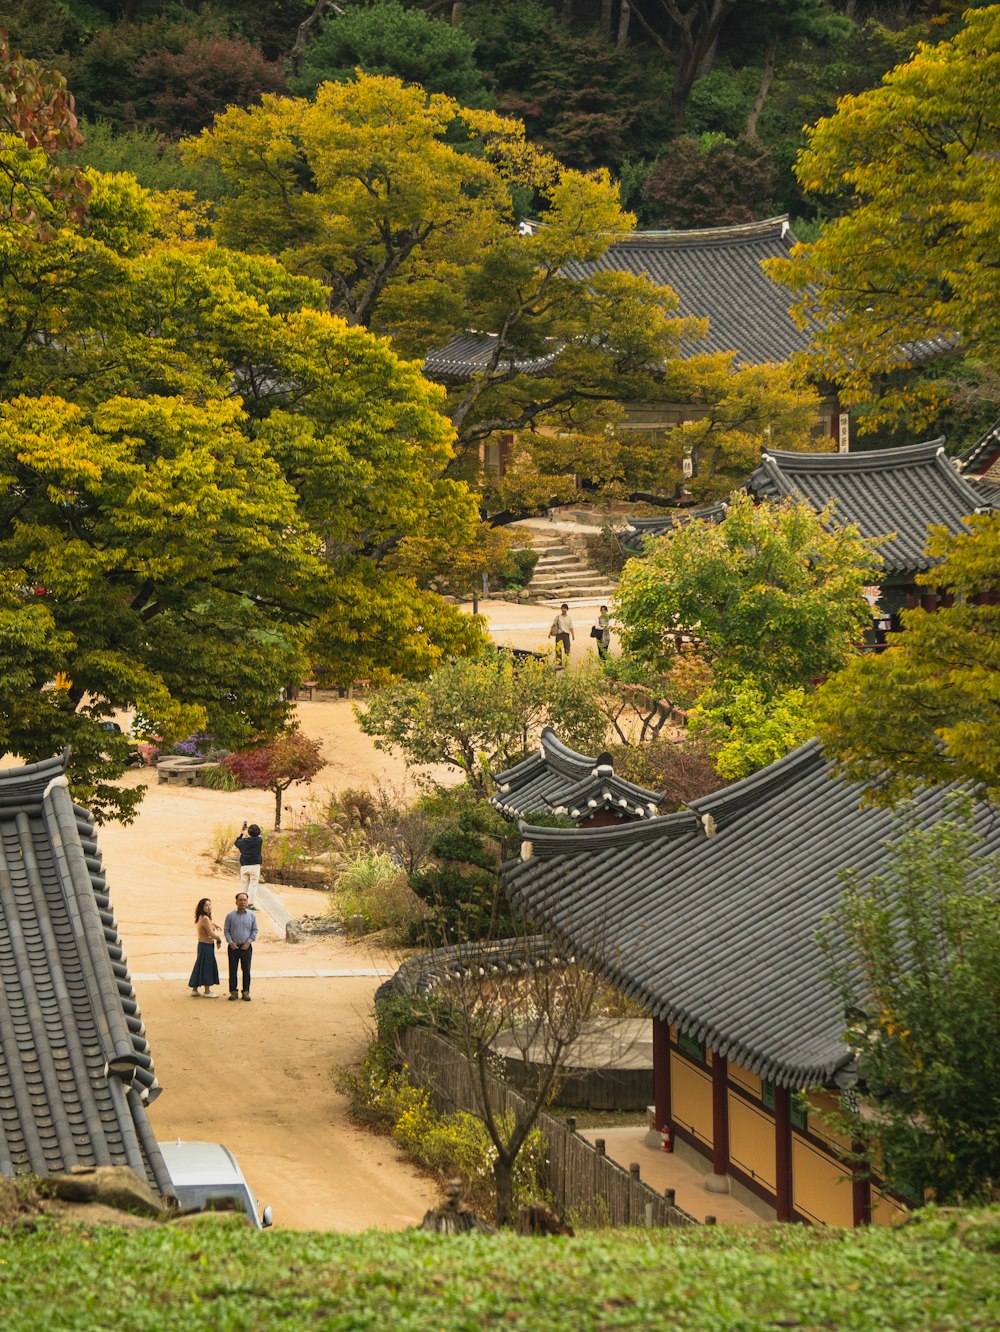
point(259, 1076)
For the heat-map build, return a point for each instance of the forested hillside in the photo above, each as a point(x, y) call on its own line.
point(696, 106)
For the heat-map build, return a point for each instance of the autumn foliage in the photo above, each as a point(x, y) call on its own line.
point(291, 758)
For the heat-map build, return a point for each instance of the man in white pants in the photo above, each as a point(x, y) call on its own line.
point(250, 845)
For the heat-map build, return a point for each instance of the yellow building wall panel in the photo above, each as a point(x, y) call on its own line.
point(885, 1210)
point(822, 1104)
point(691, 1098)
point(744, 1078)
point(820, 1190)
point(751, 1140)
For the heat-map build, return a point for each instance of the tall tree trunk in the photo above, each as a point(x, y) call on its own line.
point(505, 1191)
point(607, 19)
point(767, 78)
point(624, 19)
point(306, 32)
point(278, 793)
point(456, 13)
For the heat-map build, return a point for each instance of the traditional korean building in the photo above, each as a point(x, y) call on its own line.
point(708, 919)
point(559, 780)
point(76, 1072)
point(980, 464)
point(640, 529)
point(716, 273)
point(893, 494)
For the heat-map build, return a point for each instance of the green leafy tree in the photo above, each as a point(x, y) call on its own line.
point(480, 715)
point(745, 729)
point(386, 38)
point(928, 708)
point(772, 594)
point(914, 954)
point(165, 544)
point(284, 762)
point(910, 263)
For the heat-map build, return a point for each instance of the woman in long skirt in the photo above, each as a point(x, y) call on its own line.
point(206, 969)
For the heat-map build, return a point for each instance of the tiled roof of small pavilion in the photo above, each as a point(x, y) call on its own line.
point(75, 1068)
point(564, 781)
point(708, 917)
point(716, 272)
point(469, 353)
point(979, 457)
point(640, 528)
point(884, 491)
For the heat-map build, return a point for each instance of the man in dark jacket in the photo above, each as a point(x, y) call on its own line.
point(251, 848)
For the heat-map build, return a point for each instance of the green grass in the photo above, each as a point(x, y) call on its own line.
point(941, 1272)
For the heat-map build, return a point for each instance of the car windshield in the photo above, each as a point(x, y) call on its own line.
point(216, 1198)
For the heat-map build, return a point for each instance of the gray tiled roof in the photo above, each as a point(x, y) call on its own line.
point(717, 273)
point(708, 917)
point(885, 491)
point(567, 782)
point(640, 528)
point(980, 456)
point(468, 353)
point(75, 1067)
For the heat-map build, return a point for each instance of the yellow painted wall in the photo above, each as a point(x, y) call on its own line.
point(819, 1189)
point(751, 1140)
point(744, 1078)
point(691, 1097)
point(886, 1210)
point(825, 1103)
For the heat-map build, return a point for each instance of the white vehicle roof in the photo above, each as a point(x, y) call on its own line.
point(201, 1163)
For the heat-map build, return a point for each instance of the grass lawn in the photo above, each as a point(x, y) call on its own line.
point(942, 1271)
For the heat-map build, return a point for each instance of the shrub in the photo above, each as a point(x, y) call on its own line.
point(219, 778)
point(373, 886)
point(518, 568)
point(383, 1097)
point(222, 843)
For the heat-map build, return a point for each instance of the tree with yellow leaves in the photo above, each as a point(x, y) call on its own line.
point(908, 272)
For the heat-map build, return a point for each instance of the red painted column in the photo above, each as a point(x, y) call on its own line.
point(661, 1072)
point(720, 1115)
point(783, 1153)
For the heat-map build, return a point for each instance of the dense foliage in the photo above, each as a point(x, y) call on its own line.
point(928, 709)
point(168, 544)
point(910, 267)
point(919, 979)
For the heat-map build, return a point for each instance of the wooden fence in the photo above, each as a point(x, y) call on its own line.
point(584, 1182)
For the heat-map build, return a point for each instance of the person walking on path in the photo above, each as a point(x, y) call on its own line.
point(250, 845)
point(240, 931)
point(562, 632)
point(601, 632)
point(206, 969)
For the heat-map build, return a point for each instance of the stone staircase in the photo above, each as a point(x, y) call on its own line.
point(563, 573)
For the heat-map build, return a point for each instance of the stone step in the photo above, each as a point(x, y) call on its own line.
point(583, 589)
point(561, 562)
point(575, 595)
point(570, 573)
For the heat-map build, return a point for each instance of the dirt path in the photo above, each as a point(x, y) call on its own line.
point(258, 1076)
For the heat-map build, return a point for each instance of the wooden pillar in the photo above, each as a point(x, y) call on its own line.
point(720, 1115)
point(661, 1072)
point(929, 601)
point(783, 1153)
point(861, 1192)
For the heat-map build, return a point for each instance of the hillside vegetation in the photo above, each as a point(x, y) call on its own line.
point(940, 1271)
